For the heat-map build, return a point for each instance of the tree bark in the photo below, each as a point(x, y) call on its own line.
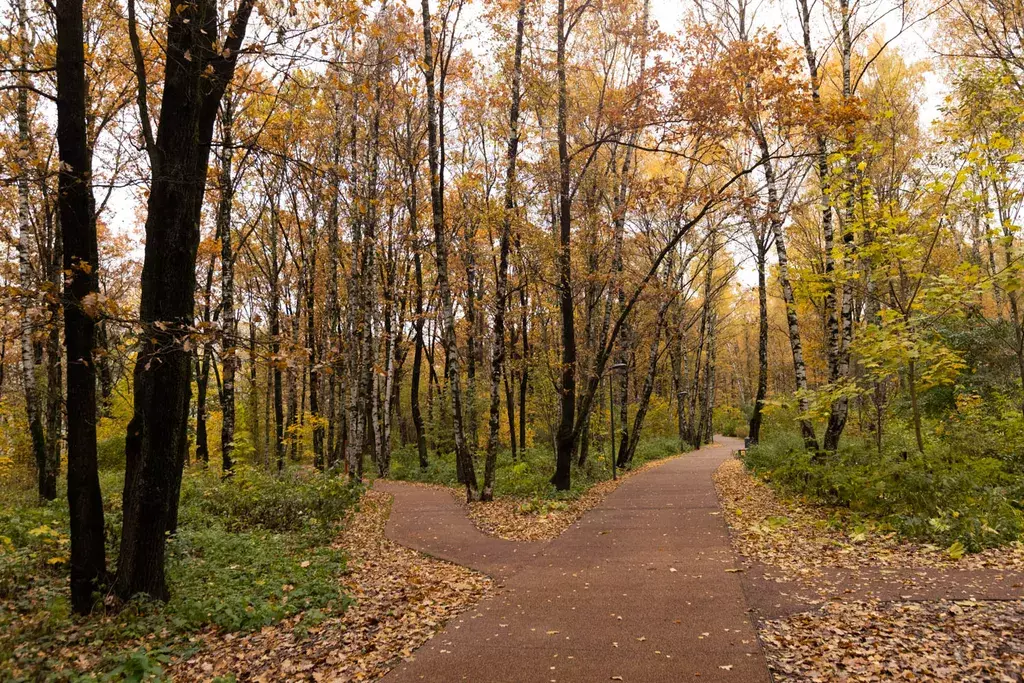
point(762, 341)
point(275, 339)
point(203, 376)
point(197, 73)
point(501, 277)
point(47, 480)
point(417, 357)
point(645, 393)
point(81, 262)
point(229, 325)
point(448, 339)
point(565, 437)
point(776, 220)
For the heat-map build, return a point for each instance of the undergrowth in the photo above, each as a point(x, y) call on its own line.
point(250, 550)
point(528, 476)
point(945, 495)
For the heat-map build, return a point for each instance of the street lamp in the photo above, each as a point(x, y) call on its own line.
point(613, 370)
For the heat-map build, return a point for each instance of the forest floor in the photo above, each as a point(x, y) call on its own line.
point(841, 599)
point(401, 598)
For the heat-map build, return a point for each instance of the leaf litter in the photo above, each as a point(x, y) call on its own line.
point(401, 598)
point(867, 640)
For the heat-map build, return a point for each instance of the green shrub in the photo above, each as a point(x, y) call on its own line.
point(250, 550)
point(110, 453)
point(255, 499)
point(730, 421)
point(655, 449)
point(529, 475)
point(941, 496)
point(246, 580)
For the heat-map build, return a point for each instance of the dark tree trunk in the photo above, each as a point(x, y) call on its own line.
point(292, 419)
point(762, 342)
point(417, 355)
point(202, 380)
point(275, 348)
point(648, 388)
point(501, 286)
point(314, 358)
point(565, 437)
point(203, 377)
point(81, 260)
point(254, 395)
point(197, 73)
point(524, 377)
point(106, 374)
point(333, 310)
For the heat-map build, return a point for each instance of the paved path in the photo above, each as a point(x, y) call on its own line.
point(640, 589)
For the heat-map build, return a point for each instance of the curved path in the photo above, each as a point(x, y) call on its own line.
point(643, 588)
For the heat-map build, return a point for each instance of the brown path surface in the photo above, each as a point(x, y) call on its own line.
point(640, 589)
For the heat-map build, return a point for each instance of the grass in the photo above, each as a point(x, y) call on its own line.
point(251, 550)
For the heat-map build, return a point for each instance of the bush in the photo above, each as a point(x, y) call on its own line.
point(243, 581)
point(253, 499)
point(941, 496)
point(730, 421)
point(110, 453)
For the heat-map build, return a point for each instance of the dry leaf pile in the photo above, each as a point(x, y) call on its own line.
point(401, 599)
point(517, 519)
point(797, 537)
point(862, 641)
point(905, 641)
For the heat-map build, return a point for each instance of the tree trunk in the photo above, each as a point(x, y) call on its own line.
point(524, 377)
point(228, 326)
point(565, 437)
point(441, 261)
point(29, 376)
point(292, 419)
point(501, 277)
point(314, 355)
point(417, 357)
point(197, 74)
point(914, 407)
point(81, 261)
point(254, 395)
point(203, 377)
point(333, 310)
point(103, 367)
point(762, 341)
point(648, 388)
point(275, 342)
point(157, 435)
point(776, 221)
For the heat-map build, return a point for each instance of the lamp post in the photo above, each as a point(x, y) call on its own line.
point(615, 369)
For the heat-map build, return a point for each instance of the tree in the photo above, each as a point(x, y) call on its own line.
point(197, 72)
point(81, 265)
